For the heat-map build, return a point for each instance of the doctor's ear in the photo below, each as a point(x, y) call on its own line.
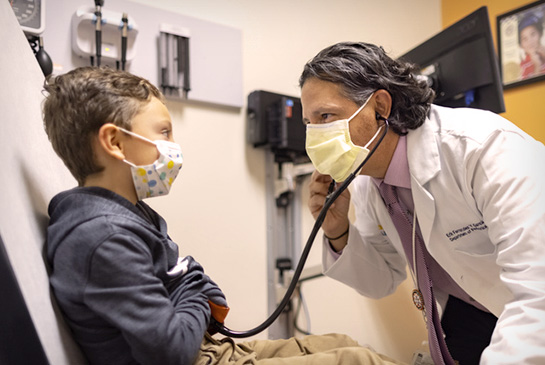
point(383, 104)
point(109, 141)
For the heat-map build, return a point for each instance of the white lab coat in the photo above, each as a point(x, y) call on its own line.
point(478, 184)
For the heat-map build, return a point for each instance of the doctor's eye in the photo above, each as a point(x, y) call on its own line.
point(324, 117)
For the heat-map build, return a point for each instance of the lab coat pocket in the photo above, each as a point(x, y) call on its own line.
point(472, 240)
point(476, 248)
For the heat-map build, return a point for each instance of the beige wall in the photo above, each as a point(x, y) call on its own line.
point(216, 211)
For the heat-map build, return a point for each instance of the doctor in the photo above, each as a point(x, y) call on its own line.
point(469, 183)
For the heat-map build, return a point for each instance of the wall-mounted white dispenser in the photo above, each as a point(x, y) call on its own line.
point(83, 34)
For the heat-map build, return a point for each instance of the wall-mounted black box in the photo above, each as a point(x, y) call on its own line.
point(275, 121)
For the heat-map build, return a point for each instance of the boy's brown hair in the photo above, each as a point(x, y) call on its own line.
point(81, 101)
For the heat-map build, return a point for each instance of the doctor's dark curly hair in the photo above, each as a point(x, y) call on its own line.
point(362, 68)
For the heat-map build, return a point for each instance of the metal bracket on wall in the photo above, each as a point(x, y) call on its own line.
point(174, 62)
point(283, 201)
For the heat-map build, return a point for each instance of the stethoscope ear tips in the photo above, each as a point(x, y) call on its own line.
point(379, 117)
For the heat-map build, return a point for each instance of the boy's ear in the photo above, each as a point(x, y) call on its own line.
point(383, 103)
point(110, 141)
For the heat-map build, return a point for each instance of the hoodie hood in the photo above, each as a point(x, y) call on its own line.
point(76, 207)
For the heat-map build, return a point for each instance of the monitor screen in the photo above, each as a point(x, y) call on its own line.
point(461, 64)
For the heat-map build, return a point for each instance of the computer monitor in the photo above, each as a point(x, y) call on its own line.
point(461, 64)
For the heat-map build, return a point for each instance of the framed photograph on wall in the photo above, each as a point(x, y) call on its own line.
point(521, 44)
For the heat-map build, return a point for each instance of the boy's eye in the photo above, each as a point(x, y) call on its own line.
point(166, 133)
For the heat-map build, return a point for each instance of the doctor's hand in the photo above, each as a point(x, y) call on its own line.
point(336, 221)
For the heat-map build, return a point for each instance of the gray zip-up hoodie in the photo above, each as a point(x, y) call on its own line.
point(110, 263)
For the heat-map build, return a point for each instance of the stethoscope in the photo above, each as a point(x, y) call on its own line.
point(332, 196)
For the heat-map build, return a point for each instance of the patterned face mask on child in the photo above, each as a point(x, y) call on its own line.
point(157, 178)
point(331, 149)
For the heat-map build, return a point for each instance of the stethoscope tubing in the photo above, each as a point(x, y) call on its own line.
point(304, 255)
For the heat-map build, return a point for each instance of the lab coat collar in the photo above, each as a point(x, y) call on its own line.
point(422, 150)
point(424, 165)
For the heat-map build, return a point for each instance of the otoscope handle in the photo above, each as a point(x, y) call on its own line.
point(98, 34)
point(98, 31)
point(124, 30)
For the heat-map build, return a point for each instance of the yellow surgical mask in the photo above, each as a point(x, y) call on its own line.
point(331, 149)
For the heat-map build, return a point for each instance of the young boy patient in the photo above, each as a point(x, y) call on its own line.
point(123, 289)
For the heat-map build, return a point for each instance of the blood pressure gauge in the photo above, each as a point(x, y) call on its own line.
point(30, 14)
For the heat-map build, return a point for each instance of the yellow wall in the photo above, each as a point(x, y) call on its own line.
point(525, 105)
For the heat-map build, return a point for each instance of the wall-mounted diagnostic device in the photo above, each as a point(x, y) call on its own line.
point(104, 35)
point(30, 14)
point(276, 121)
